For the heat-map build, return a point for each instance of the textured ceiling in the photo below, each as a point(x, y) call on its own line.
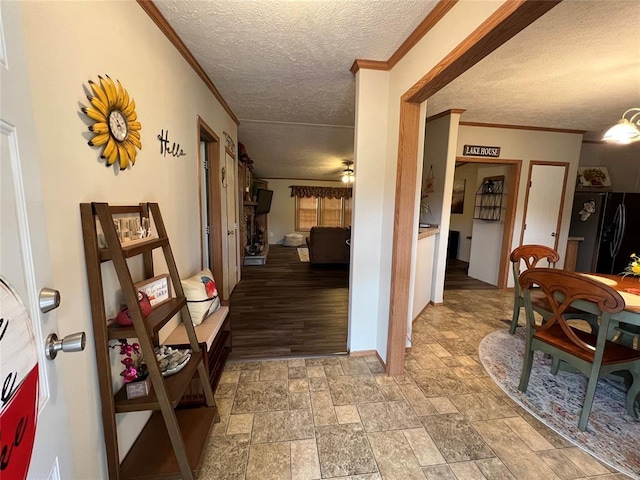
point(288, 61)
point(577, 67)
point(283, 68)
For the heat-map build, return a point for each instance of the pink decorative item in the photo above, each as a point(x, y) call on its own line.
point(133, 370)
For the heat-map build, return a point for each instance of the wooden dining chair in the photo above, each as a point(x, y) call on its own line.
point(531, 255)
point(593, 355)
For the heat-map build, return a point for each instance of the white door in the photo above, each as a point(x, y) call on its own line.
point(25, 266)
point(232, 223)
point(544, 199)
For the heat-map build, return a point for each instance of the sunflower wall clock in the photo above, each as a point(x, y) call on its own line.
point(115, 127)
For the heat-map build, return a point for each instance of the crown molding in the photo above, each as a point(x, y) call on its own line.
point(522, 127)
point(368, 65)
point(433, 17)
point(150, 9)
point(445, 113)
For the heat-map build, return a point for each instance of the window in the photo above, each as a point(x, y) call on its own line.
point(306, 213)
point(326, 212)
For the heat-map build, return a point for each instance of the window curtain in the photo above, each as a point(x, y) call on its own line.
point(320, 192)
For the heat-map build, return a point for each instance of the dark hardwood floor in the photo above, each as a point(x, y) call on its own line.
point(456, 277)
point(287, 308)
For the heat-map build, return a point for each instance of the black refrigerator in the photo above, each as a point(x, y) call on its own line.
point(610, 226)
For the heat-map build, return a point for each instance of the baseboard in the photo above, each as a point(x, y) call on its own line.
point(362, 353)
point(421, 312)
point(439, 304)
point(384, 365)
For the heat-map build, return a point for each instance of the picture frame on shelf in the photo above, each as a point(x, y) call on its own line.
point(158, 289)
point(131, 229)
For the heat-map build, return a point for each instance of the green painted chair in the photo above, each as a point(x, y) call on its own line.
point(595, 356)
point(531, 255)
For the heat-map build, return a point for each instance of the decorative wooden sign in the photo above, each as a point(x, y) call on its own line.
point(480, 151)
point(19, 377)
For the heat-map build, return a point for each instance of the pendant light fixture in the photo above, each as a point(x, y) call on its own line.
point(627, 130)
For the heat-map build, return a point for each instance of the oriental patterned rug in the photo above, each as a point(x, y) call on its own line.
point(612, 436)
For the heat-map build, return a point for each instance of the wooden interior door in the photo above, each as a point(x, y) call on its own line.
point(544, 203)
point(242, 224)
point(211, 201)
point(232, 234)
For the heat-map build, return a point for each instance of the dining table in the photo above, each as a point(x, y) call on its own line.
point(629, 289)
point(625, 324)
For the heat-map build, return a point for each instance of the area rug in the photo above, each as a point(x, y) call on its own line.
point(612, 436)
point(303, 254)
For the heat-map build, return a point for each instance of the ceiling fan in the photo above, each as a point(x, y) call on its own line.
point(347, 173)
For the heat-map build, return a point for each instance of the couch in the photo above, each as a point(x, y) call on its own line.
point(329, 245)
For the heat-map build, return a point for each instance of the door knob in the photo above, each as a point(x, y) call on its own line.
point(49, 299)
point(71, 343)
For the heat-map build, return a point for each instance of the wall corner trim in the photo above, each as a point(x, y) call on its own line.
point(368, 65)
point(445, 113)
point(433, 17)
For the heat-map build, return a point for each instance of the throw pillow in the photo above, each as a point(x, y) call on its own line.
point(202, 295)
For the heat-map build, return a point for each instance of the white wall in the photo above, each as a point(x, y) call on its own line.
point(463, 222)
point(486, 245)
point(68, 43)
point(374, 217)
point(283, 205)
point(440, 152)
point(423, 277)
point(622, 162)
point(527, 145)
point(364, 292)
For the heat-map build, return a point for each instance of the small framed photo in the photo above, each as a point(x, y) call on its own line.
point(129, 230)
point(158, 289)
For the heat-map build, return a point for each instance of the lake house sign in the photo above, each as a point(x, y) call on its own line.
point(480, 151)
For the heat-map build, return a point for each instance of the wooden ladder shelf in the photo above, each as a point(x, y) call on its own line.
point(171, 443)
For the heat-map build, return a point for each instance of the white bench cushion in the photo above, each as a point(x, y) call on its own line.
point(205, 332)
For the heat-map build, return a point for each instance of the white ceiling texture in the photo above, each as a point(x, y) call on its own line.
point(283, 68)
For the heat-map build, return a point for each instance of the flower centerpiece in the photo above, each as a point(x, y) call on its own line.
point(135, 374)
point(633, 268)
point(134, 370)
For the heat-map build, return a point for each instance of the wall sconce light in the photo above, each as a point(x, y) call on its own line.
point(627, 130)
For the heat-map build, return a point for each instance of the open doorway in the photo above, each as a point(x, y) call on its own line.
point(481, 222)
point(209, 182)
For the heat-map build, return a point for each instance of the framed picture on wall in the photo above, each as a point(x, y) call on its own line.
point(593, 177)
point(457, 200)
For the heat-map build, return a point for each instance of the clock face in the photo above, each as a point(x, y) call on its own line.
point(118, 125)
point(115, 126)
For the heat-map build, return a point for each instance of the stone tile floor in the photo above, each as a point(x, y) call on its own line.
point(344, 418)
